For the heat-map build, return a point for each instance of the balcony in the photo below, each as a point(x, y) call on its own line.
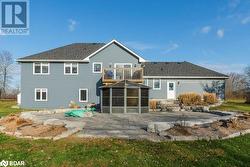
point(111, 75)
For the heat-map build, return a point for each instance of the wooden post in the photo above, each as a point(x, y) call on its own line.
point(101, 101)
point(139, 99)
point(125, 99)
point(110, 100)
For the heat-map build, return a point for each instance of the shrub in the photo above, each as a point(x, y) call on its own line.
point(210, 98)
point(190, 99)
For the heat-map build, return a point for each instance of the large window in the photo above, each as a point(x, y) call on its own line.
point(97, 67)
point(83, 95)
point(41, 94)
point(132, 97)
point(156, 84)
point(40, 68)
point(118, 97)
point(70, 68)
point(145, 82)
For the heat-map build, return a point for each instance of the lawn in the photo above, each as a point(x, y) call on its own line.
point(6, 107)
point(233, 105)
point(114, 152)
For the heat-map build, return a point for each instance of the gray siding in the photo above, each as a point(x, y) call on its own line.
point(65, 88)
point(182, 86)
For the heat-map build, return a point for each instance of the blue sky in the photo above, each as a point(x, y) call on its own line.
point(212, 33)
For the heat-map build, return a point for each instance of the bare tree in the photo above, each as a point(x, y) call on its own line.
point(6, 62)
point(247, 73)
point(235, 85)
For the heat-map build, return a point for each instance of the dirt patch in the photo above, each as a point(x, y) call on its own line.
point(38, 130)
point(180, 131)
point(217, 129)
point(13, 123)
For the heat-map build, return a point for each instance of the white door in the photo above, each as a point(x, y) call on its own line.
point(171, 90)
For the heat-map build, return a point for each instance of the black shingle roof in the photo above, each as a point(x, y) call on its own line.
point(75, 51)
point(178, 69)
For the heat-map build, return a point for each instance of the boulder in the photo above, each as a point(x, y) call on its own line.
point(157, 127)
point(54, 122)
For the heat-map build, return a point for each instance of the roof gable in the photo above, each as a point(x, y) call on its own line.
point(120, 45)
point(80, 52)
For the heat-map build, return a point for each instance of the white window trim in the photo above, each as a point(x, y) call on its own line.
point(93, 67)
point(46, 90)
point(87, 94)
point(41, 69)
point(154, 84)
point(71, 65)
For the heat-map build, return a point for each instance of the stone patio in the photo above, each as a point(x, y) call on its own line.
point(128, 126)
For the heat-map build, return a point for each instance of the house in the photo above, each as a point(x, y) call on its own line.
point(82, 72)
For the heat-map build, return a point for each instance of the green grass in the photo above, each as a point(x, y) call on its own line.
point(114, 152)
point(233, 105)
point(5, 107)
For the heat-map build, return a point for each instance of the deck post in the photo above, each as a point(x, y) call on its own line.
point(125, 99)
point(139, 100)
point(101, 101)
point(110, 100)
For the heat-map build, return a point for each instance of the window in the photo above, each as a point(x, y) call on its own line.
point(41, 94)
point(40, 68)
point(156, 84)
point(145, 82)
point(83, 95)
point(70, 68)
point(171, 86)
point(97, 67)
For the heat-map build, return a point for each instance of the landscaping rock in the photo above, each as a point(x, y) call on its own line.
point(157, 127)
point(30, 116)
point(55, 122)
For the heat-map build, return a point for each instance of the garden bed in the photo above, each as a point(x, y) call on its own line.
point(15, 125)
point(216, 130)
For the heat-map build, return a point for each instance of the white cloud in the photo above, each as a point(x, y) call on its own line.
point(225, 68)
point(205, 29)
point(172, 46)
point(139, 45)
point(245, 20)
point(220, 33)
point(72, 25)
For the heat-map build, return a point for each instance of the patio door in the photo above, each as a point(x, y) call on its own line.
point(123, 71)
point(171, 90)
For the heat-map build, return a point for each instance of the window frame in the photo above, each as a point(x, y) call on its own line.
point(154, 80)
point(41, 99)
point(93, 67)
point(87, 95)
point(41, 68)
point(71, 67)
